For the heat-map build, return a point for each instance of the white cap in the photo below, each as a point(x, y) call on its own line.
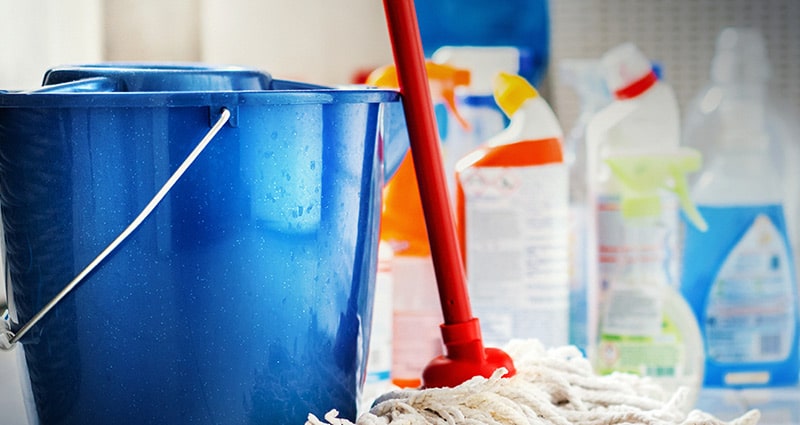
point(625, 65)
point(482, 62)
point(741, 55)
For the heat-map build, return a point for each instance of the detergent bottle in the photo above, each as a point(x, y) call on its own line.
point(642, 115)
point(740, 277)
point(416, 312)
point(475, 101)
point(585, 77)
point(646, 327)
point(513, 222)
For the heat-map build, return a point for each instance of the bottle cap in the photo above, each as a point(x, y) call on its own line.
point(628, 71)
point(511, 91)
point(740, 55)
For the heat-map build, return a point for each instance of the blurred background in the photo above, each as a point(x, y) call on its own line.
point(337, 41)
point(330, 42)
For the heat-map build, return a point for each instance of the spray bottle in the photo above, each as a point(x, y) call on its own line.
point(643, 114)
point(646, 327)
point(416, 313)
point(739, 277)
point(644, 120)
point(587, 79)
point(475, 101)
point(513, 222)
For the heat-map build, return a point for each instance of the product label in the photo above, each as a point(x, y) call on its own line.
point(739, 279)
point(517, 232)
point(417, 315)
point(655, 350)
point(634, 308)
point(623, 248)
point(644, 357)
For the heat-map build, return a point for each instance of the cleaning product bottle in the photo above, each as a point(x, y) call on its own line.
point(513, 222)
point(586, 77)
point(416, 337)
point(643, 113)
point(416, 312)
point(379, 359)
point(646, 327)
point(475, 101)
point(739, 277)
point(643, 119)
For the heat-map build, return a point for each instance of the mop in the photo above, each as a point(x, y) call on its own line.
point(552, 386)
point(470, 384)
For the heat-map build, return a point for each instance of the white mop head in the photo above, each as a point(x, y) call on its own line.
point(555, 386)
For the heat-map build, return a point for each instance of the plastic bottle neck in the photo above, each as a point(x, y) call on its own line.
point(533, 121)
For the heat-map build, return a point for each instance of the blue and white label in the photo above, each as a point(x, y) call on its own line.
point(739, 279)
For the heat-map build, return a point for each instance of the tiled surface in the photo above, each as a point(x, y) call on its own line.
point(681, 34)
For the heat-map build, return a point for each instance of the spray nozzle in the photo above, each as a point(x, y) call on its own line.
point(511, 91)
point(443, 78)
point(642, 175)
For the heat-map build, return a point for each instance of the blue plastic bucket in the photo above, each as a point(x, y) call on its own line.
point(246, 296)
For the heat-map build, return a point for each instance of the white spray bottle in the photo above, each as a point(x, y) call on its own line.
point(646, 327)
point(643, 121)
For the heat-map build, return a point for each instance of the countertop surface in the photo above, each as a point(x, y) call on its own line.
point(778, 406)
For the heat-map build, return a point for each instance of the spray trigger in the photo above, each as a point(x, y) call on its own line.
point(443, 80)
point(642, 175)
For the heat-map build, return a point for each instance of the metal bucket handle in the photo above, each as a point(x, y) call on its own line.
point(9, 338)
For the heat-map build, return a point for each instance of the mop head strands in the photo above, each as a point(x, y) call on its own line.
point(552, 386)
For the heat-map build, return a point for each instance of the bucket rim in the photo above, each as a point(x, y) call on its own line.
point(172, 99)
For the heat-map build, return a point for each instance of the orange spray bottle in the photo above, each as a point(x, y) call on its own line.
point(512, 210)
point(416, 338)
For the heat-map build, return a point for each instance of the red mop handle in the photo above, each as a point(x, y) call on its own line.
point(426, 152)
point(466, 357)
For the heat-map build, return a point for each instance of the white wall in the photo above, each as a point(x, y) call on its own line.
point(151, 30)
point(320, 41)
point(327, 41)
point(37, 34)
